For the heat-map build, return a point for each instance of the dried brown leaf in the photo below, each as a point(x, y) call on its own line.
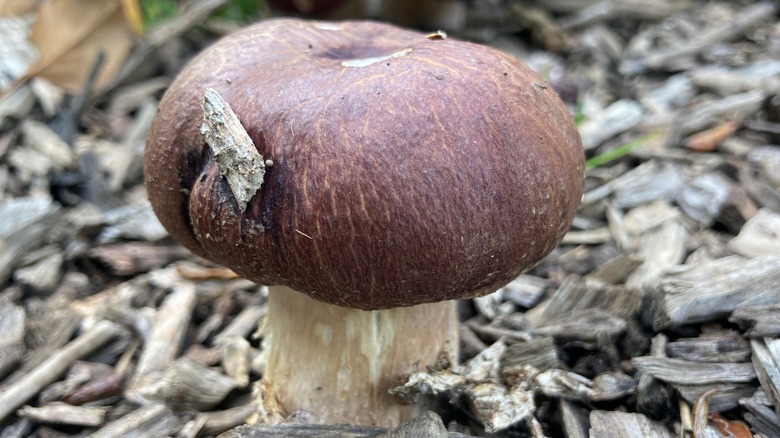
point(70, 34)
point(730, 428)
point(708, 140)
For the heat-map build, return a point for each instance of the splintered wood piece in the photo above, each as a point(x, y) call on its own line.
point(616, 270)
point(525, 290)
point(24, 223)
point(653, 395)
point(304, 431)
point(725, 399)
point(740, 105)
point(219, 421)
point(541, 353)
point(714, 289)
point(758, 321)
point(133, 258)
point(426, 425)
point(13, 327)
point(243, 324)
point(144, 421)
point(62, 413)
point(766, 360)
point(760, 236)
point(498, 407)
point(584, 324)
point(580, 293)
point(612, 386)
point(606, 424)
point(188, 385)
point(729, 347)
point(574, 418)
point(760, 415)
point(694, 373)
point(660, 249)
point(235, 153)
point(170, 325)
point(235, 359)
point(51, 369)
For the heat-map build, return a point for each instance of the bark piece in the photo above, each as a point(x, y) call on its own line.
point(61, 413)
point(604, 424)
point(660, 249)
point(758, 321)
point(760, 415)
point(243, 324)
point(525, 290)
point(724, 348)
point(613, 120)
point(13, 327)
point(188, 385)
point(760, 236)
point(219, 421)
point(694, 373)
point(766, 360)
point(235, 359)
point(575, 420)
point(583, 324)
point(164, 341)
point(235, 153)
point(581, 293)
point(726, 398)
point(24, 223)
point(716, 288)
point(541, 353)
point(133, 258)
point(150, 420)
point(428, 425)
point(654, 397)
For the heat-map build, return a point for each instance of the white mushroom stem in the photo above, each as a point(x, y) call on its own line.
point(338, 364)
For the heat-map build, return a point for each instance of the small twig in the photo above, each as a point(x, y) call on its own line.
point(51, 369)
point(235, 153)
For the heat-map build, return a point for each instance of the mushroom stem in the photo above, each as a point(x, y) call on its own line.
point(338, 363)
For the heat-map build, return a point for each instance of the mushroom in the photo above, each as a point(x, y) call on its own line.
point(409, 170)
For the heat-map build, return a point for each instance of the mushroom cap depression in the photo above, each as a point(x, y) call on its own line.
point(408, 168)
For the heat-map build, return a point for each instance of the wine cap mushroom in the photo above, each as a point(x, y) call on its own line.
point(407, 168)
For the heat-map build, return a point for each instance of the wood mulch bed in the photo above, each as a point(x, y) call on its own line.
point(658, 315)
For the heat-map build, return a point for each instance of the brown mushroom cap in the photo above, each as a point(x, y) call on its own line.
point(407, 169)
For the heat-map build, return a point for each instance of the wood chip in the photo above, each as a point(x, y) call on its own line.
point(29, 385)
point(714, 289)
point(24, 223)
point(694, 373)
point(235, 153)
point(766, 360)
point(62, 413)
point(760, 236)
point(758, 321)
point(622, 424)
point(170, 324)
